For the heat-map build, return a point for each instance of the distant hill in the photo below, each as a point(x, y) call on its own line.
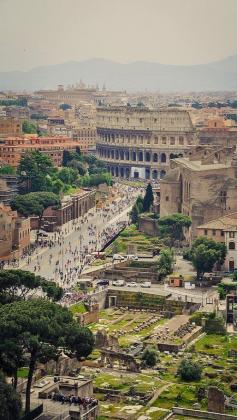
point(136, 76)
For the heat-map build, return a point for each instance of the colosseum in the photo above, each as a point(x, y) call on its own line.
point(137, 142)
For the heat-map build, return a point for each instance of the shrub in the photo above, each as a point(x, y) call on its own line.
point(189, 370)
point(150, 356)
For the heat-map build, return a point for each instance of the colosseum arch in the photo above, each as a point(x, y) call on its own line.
point(134, 156)
point(127, 155)
point(112, 170)
point(154, 174)
point(112, 154)
point(140, 156)
point(147, 173)
point(163, 157)
point(147, 156)
point(121, 154)
point(162, 174)
point(155, 157)
point(116, 154)
point(108, 153)
point(116, 171)
point(122, 172)
point(127, 172)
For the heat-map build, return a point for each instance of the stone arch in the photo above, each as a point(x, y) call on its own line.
point(147, 156)
point(116, 154)
point(134, 156)
point(122, 172)
point(163, 157)
point(155, 157)
point(162, 174)
point(154, 174)
point(147, 173)
point(112, 170)
point(108, 153)
point(127, 155)
point(121, 154)
point(127, 172)
point(140, 156)
point(112, 154)
point(116, 171)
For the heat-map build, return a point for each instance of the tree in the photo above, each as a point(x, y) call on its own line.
point(10, 401)
point(34, 203)
point(34, 169)
point(66, 157)
point(29, 128)
point(189, 370)
point(134, 214)
point(20, 284)
point(148, 199)
point(78, 165)
point(173, 225)
point(67, 175)
point(150, 356)
point(164, 264)
point(139, 203)
point(43, 330)
point(205, 253)
point(7, 170)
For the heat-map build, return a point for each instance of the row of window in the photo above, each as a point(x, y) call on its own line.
point(134, 156)
point(111, 138)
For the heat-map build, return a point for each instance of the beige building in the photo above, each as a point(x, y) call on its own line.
point(10, 127)
point(14, 234)
point(202, 186)
point(86, 137)
point(223, 230)
point(137, 142)
point(71, 96)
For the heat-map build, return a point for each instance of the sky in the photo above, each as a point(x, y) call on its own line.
point(43, 32)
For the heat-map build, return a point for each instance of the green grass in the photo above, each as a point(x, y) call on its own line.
point(22, 372)
point(78, 308)
point(178, 394)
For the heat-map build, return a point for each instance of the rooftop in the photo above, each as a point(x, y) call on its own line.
point(228, 222)
point(197, 165)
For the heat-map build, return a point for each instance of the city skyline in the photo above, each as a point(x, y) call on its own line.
point(172, 32)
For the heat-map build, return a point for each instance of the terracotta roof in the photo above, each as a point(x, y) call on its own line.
point(228, 222)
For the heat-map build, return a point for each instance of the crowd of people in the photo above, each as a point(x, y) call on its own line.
point(71, 250)
point(85, 402)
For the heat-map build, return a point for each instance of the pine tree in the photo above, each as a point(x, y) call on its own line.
point(148, 199)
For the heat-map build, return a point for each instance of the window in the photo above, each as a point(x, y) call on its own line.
point(205, 232)
point(231, 245)
point(141, 119)
point(213, 232)
point(167, 198)
point(181, 140)
point(172, 140)
point(222, 233)
point(163, 140)
point(156, 140)
point(231, 234)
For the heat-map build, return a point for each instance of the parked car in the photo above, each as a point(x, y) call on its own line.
point(118, 283)
point(132, 284)
point(146, 284)
point(102, 282)
point(118, 257)
point(132, 257)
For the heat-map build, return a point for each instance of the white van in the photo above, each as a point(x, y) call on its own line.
point(118, 257)
point(118, 283)
point(146, 284)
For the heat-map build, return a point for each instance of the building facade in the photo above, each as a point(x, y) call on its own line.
point(72, 207)
point(136, 142)
point(223, 230)
point(86, 137)
point(14, 234)
point(10, 127)
point(8, 188)
point(12, 148)
point(202, 186)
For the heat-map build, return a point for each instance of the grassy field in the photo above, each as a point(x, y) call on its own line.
point(78, 308)
point(131, 235)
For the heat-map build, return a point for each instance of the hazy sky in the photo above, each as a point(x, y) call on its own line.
point(41, 32)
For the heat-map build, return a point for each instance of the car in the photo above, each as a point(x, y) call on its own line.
point(102, 282)
point(132, 284)
point(146, 284)
point(132, 257)
point(118, 257)
point(118, 283)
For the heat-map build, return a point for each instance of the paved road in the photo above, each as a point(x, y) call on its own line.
point(74, 245)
